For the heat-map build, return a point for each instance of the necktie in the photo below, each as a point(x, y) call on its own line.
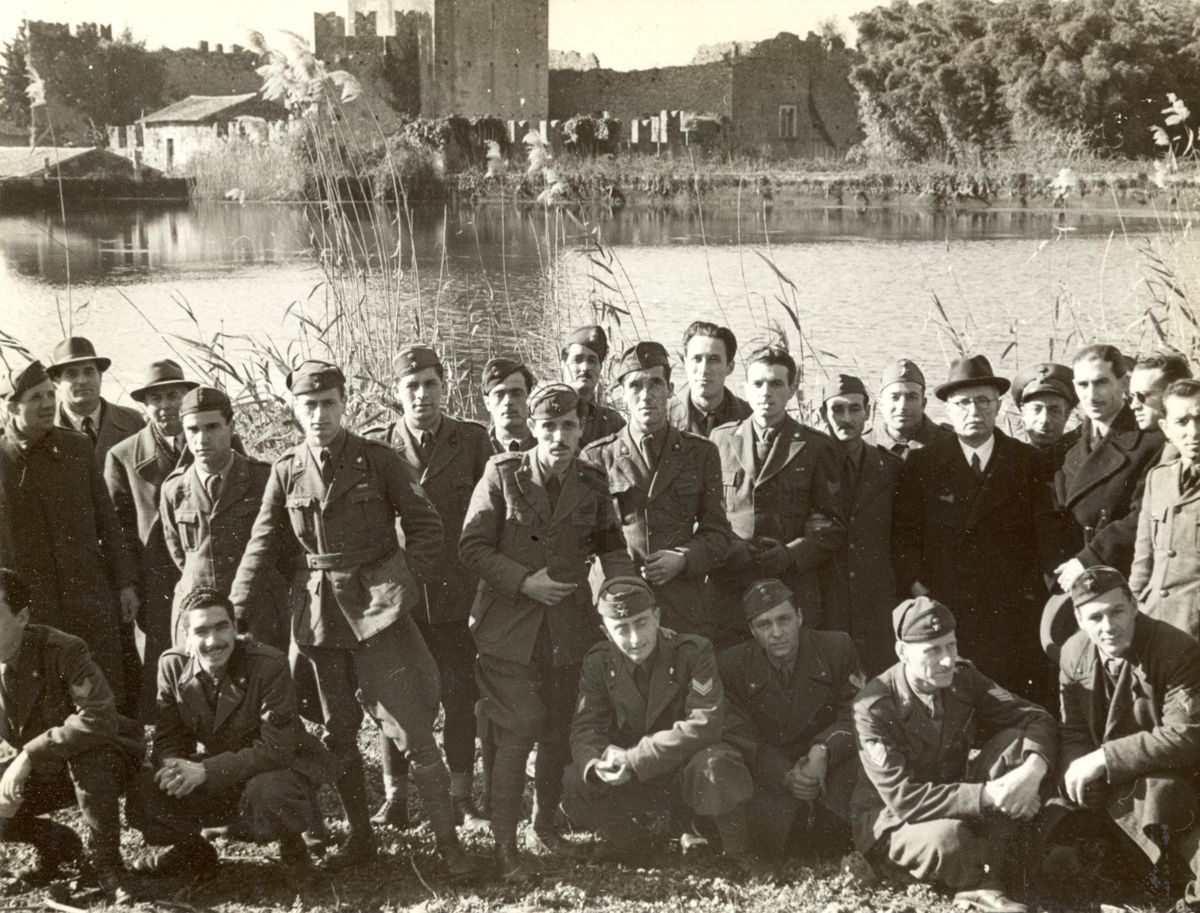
point(214, 488)
point(641, 678)
point(939, 710)
point(553, 490)
point(514, 446)
point(1188, 480)
point(976, 466)
point(89, 428)
point(647, 449)
point(785, 674)
point(426, 443)
point(710, 422)
point(762, 447)
point(899, 449)
point(326, 467)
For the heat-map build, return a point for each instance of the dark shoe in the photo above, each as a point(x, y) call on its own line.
point(111, 880)
point(359, 847)
point(751, 867)
point(60, 845)
point(466, 814)
point(293, 853)
point(514, 867)
point(189, 857)
point(988, 900)
point(544, 842)
point(459, 866)
point(393, 813)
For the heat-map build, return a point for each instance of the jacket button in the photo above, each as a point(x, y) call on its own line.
point(1171, 553)
point(1164, 593)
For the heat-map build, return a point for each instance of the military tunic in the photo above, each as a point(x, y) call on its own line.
point(1166, 565)
point(686, 416)
point(598, 421)
point(928, 434)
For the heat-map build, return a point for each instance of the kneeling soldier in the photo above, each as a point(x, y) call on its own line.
point(791, 695)
point(258, 770)
point(921, 808)
point(647, 732)
point(63, 742)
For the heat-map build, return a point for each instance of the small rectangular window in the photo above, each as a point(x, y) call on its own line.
point(787, 121)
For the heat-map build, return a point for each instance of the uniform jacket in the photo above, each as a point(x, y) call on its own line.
point(255, 727)
point(1098, 493)
point(1166, 564)
point(927, 435)
point(64, 537)
point(858, 585)
point(347, 537)
point(599, 421)
point(683, 713)
point(510, 533)
point(527, 441)
point(798, 483)
point(460, 451)
point(206, 541)
point(678, 507)
point(912, 770)
point(774, 725)
point(116, 424)
point(732, 409)
point(59, 704)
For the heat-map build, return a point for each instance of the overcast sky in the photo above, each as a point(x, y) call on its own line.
point(625, 34)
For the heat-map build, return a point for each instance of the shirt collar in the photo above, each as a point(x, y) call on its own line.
point(76, 421)
point(415, 433)
point(223, 472)
point(984, 450)
point(334, 447)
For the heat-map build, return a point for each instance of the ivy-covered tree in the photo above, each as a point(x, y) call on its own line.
point(14, 78)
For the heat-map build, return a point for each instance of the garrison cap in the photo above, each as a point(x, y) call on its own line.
point(764, 595)
point(590, 337)
point(552, 401)
point(1046, 377)
point(413, 359)
point(499, 368)
point(162, 373)
point(642, 356)
point(72, 351)
point(843, 385)
point(313, 376)
point(920, 620)
point(624, 597)
point(1095, 582)
point(902, 371)
point(206, 399)
point(15, 383)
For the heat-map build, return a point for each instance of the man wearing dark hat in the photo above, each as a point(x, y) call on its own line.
point(1045, 395)
point(536, 520)
point(77, 373)
point(449, 455)
point(647, 732)
point(582, 360)
point(705, 402)
point(1130, 734)
point(338, 496)
point(963, 532)
point(666, 487)
point(904, 426)
point(791, 693)
point(782, 496)
point(62, 533)
point(207, 511)
point(507, 383)
point(925, 806)
point(134, 471)
point(858, 587)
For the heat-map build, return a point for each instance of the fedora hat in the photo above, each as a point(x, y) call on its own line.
point(163, 373)
point(975, 371)
point(73, 350)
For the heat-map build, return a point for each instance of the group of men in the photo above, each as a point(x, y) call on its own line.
point(703, 607)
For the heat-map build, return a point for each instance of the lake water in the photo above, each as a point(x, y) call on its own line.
point(1016, 285)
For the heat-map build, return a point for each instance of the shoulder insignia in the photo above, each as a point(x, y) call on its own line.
point(506, 457)
point(601, 441)
point(703, 688)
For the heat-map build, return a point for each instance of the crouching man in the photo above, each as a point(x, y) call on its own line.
point(258, 770)
point(647, 733)
point(791, 695)
point(63, 743)
point(925, 809)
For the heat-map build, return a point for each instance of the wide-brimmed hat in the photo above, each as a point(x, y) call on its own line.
point(975, 371)
point(164, 373)
point(73, 350)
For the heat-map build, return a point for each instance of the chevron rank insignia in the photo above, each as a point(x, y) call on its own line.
point(702, 688)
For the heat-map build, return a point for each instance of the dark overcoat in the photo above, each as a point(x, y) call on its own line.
point(116, 424)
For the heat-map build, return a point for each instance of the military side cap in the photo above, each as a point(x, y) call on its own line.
point(975, 371)
point(553, 401)
point(1046, 377)
point(162, 373)
point(590, 337)
point(413, 359)
point(901, 371)
point(920, 620)
point(764, 595)
point(313, 376)
point(499, 368)
point(74, 350)
point(643, 356)
point(15, 383)
point(1095, 582)
point(843, 385)
point(1057, 624)
point(206, 399)
point(624, 597)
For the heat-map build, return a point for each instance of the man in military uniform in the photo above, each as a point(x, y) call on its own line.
point(705, 402)
point(449, 455)
point(905, 426)
point(536, 520)
point(648, 729)
point(582, 360)
point(858, 587)
point(207, 511)
point(1045, 396)
point(666, 487)
point(782, 496)
point(134, 471)
point(791, 694)
point(64, 744)
point(1148, 381)
point(338, 495)
point(62, 537)
point(925, 808)
point(77, 373)
point(1130, 735)
point(506, 384)
point(228, 749)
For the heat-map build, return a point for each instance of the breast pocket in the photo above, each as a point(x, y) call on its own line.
point(188, 524)
point(302, 510)
point(369, 510)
